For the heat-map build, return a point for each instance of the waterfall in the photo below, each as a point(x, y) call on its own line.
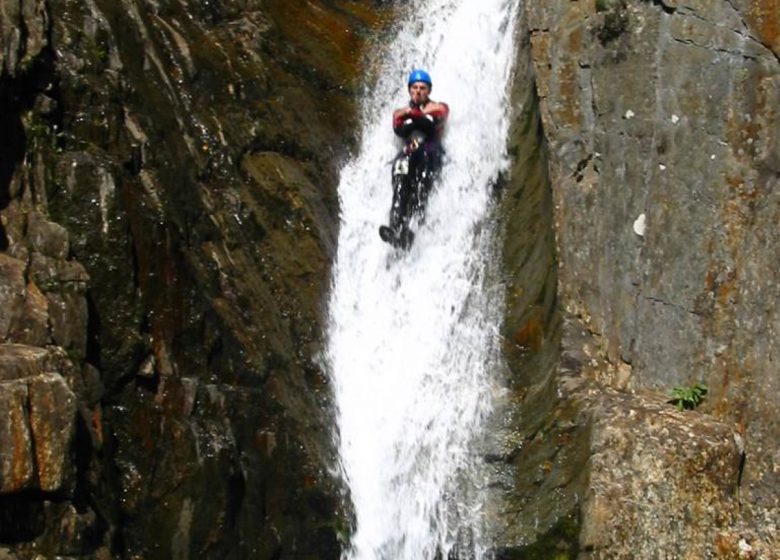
point(413, 336)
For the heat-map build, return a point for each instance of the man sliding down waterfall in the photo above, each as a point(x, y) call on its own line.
point(417, 165)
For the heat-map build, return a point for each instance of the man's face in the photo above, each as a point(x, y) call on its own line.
point(419, 92)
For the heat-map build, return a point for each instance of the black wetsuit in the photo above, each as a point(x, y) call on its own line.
point(416, 167)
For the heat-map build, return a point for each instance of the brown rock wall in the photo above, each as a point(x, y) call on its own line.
point(167, 219)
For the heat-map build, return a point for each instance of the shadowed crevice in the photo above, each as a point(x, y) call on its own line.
point(13, 145)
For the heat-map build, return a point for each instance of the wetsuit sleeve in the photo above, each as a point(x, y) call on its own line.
point(406, 123)
point(440, 114)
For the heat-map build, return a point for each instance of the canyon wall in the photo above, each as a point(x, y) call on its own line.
point(659, 122)
point(169, 213)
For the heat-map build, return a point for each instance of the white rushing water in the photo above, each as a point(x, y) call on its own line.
point(413, 336)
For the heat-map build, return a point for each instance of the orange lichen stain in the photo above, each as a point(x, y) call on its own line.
point(735, 219)
point(722, 284)
point(531, 333)
point(725, 292)
point(575, 40)
point(734, 182)
point(568, 85)
point(727, 400)
point(764, 18)
point(21, 461)
point(97, 425)
point(727, 545)
point(750, 107)
point(336, 32)
point(741, 189)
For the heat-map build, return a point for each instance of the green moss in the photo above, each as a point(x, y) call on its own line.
point(561, 542)
point(615, 22)
point(604, 5)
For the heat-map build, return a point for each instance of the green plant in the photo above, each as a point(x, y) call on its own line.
point(688, 398)
point(605, 5)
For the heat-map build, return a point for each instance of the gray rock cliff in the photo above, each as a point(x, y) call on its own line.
point(659, 125)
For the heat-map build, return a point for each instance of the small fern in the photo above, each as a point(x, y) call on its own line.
point(688, 398)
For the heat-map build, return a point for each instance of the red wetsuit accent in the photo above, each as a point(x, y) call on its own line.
point(429, 118)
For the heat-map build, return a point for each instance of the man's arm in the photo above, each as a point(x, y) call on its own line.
point(400, 115)
point(407, 119)
point(439, 111)
point(405, 113)
point(429, 119)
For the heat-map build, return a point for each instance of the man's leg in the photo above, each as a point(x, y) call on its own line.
point(400, 209)
point(428, 172)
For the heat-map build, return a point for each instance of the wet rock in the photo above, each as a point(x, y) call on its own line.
point(64, 283)
point(32, 325)
point(19, 48)
point(147, 368)
point(12, 293)
point(76, 529)
point(46, 237)
point(52, 275)
point(148, 214)
point(52, 422)
point(92, 388)
point(18, 361)
point(41, 420)
point(68, 319)
point(16, 460)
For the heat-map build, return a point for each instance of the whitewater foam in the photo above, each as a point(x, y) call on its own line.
point(412, 344)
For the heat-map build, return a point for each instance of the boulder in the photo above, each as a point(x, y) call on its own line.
point(660, 479)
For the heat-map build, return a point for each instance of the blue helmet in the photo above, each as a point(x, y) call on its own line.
point(420, 76)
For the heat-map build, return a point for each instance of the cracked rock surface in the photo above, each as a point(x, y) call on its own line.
point(168, 214)
point(659, 125)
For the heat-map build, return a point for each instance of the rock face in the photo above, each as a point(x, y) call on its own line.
point(659, 120)
point(37, 433)
point(167, 219)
